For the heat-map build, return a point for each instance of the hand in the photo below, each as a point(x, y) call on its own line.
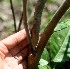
point(14, 51)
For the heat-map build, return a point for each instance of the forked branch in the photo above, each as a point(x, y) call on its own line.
point(47, 33)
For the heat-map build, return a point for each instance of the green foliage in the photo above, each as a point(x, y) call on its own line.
point(44, 67)
point(68, 10)
point(59, 48)
point(45, 55)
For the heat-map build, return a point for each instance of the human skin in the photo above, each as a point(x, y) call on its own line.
point(14, 45)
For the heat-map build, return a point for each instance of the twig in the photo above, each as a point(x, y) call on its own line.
point(37, 21)
point(12, 8)
point(25, 21)
point(48, 32)
point(20, 22)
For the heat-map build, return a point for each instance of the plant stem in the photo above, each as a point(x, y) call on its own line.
point(20, 22)
point(25, 21)
point(37, 21)
point(47, 33)
point(35, 30)
point(50, 28)
point(12, 8)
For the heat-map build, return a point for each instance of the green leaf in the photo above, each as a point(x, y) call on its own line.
point(59, 47)
point(63, 25)
point(64, 52)
point(45, 55)
point(44, 67)
point(59, 42)
point(43, 62)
